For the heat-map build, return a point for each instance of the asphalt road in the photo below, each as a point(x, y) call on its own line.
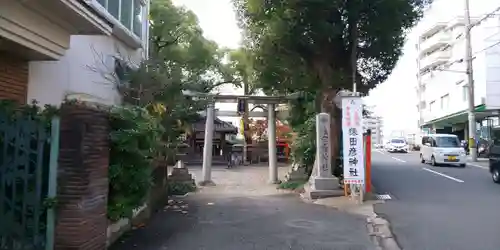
point(437, 208)
point(280, 222)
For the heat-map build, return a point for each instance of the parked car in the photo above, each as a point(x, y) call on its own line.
point(494, 161)
point(397, 145)
point(442, 149)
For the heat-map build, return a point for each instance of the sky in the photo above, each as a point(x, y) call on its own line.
point(395, 99)
point(218, 21)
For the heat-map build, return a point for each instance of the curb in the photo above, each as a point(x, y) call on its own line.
point(380, 233)
point(477, 166)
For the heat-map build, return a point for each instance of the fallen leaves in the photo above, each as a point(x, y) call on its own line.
point(177, 206)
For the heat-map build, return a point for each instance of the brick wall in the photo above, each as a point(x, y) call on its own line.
point(82, 179)
point(13, 78)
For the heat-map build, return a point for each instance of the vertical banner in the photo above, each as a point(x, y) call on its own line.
point(242, 126)
point(352, 139)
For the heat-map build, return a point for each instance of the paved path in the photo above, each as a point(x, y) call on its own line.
point(244, 213)
point(438, 208)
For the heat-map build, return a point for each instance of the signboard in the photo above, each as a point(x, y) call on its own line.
point(352, 137)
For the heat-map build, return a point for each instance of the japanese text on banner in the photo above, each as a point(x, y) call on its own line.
point(353, 144)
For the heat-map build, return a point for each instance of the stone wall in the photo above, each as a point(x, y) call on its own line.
point(81, 221)
point(81, 215)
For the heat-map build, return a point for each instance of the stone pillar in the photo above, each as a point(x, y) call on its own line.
point(81, 221)
point(271, 137)
point(322, 183)
point(208, 147)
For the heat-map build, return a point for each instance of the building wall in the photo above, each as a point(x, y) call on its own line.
point(375, 124)
point(491, 35)
point(13, 78)
point(86, 71)
point(444, 11)
point(445, 89)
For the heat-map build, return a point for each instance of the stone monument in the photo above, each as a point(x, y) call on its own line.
point(180, 174)
point(322, 183)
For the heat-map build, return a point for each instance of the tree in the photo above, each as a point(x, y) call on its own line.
point(241, 69)
point(323, 46)
point(180, 59)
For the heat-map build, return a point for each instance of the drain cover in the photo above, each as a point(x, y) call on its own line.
point(383, 197)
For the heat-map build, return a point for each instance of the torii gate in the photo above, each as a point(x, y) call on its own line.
point(270, 101)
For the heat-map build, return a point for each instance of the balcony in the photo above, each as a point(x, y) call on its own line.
point(432, 43)
point(433, 29)
point(434, 60)
point(41, 30)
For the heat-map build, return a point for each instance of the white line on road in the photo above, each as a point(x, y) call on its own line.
point(397, 159)
point(443, 175)
point(477, 166)
point(378, 151)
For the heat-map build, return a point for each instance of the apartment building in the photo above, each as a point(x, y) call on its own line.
point(442, 80)
point(375, 124)
point(56, 49)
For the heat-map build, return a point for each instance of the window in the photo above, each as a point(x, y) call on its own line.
point(445, 101)
point(431, 105)
point(397, 141)
point(128, 12)
point(425, 140)
point(447, 142)
point(138, 18)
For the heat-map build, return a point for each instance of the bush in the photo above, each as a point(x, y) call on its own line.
point(135, 143)
point(181, 188)
point(292, 185)
point(304, 147)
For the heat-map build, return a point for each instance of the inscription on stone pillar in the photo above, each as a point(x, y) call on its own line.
point(323, 145)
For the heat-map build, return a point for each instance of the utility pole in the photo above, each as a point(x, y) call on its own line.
point(354, 57)
point(246, 124)
point(470, 80)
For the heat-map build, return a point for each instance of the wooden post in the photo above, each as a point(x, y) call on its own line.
point(368, 163)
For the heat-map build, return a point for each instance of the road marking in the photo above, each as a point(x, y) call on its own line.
point(477, 166)
point(443, 175)
point(397, 159)
point(378, 151)
point(383, 197)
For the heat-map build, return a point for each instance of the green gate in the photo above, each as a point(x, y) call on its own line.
point(28, 164)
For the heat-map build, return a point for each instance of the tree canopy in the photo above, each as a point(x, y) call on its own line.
point(324, 46)
point(180, 58)
point(314, 39)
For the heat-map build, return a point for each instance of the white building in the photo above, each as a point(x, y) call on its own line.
point(375, 124)
point(442, 82)
point(68, 49)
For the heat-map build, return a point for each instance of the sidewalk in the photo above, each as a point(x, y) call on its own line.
point(481, 163)
point(244, 212)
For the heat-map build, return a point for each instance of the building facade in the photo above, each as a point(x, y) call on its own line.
point(375, 124)
point(442, 81)
point(68, 49)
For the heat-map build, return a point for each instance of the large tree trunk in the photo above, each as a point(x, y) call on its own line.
point(328, 93)
point(328, 106)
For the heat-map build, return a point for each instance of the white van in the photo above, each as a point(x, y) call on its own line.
point(442, 149)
